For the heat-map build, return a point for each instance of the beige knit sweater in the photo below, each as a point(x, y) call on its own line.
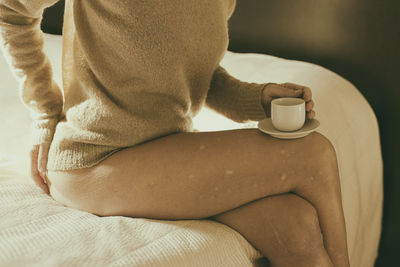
point(132, 71)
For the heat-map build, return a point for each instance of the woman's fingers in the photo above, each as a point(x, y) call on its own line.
point(311, 114)
point(34, 157)
point(307, 94)
point(277, 90)
point(42, 161)
point(309, 105)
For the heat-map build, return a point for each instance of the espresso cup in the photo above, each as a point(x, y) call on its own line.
point(288, 113)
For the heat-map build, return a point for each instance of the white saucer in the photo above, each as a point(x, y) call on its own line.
point(308, 127)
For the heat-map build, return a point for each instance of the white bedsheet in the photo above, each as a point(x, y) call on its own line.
point(37, 231)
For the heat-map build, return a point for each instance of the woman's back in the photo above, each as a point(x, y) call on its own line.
point(121, 59)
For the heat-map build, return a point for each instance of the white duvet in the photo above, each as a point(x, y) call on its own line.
point(37, 231)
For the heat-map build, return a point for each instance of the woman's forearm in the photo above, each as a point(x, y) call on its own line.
point(22, 44)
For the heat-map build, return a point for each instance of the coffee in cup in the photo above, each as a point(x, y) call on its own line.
point(288, 113)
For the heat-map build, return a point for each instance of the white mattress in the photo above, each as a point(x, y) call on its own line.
point(37, 231)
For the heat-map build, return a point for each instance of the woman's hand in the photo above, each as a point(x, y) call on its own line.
point(273, 90)
point(38, 166)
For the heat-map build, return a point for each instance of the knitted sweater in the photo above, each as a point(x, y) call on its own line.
point(132, 71)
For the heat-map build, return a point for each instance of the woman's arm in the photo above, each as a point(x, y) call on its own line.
point(237, 100)
point(241, 101)
point(22, 44)
point(21, 41)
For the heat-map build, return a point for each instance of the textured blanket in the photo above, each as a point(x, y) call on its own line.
point(37, 231)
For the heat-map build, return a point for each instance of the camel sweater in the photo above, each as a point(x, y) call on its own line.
point(132, 71)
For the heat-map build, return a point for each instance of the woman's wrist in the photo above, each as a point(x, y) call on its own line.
point(264, 96)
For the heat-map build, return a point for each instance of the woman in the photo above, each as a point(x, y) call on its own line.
point(120, 141)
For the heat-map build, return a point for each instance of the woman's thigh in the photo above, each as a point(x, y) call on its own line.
point(189, 175)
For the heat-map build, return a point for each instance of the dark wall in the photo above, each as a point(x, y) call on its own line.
point(52, 21)
point(358, 39)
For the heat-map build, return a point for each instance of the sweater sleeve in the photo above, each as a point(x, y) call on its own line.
point(21, 41)
point(237, 100)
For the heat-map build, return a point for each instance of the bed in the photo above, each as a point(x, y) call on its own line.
point(35, 230)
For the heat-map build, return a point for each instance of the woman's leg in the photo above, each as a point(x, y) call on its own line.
point(284, 228)
point(198, 175)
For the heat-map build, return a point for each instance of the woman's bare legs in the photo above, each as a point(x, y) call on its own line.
point(284, 228)
point(202, 174)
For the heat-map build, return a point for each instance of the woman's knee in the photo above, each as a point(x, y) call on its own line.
point(319, 148)
point(322, 161)
point(303, 234)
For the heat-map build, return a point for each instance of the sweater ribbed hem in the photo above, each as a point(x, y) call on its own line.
point(65, 155)
point(80, 157)
point(250, 102)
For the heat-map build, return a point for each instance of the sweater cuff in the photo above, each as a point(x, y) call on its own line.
point(43, 130)
point(251, 102)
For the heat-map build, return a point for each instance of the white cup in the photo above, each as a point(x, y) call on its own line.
point(288, 113)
